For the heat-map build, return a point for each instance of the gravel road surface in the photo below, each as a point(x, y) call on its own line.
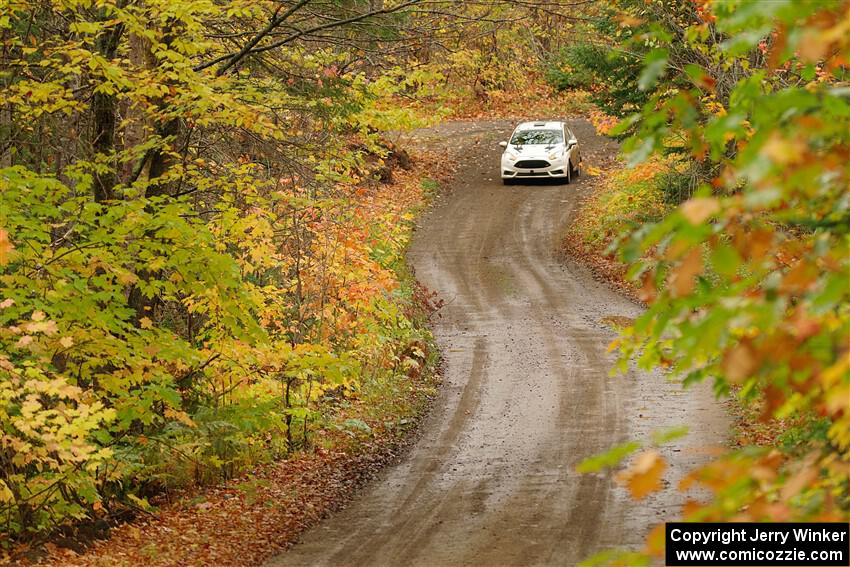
point(524, 333)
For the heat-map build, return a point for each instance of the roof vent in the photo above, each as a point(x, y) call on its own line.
point(540, 124)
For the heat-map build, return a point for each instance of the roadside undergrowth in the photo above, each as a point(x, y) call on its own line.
point(337, 442)
point(621, 199)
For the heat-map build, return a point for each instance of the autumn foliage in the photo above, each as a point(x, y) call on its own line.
point(202, 230)
point(193, 273)
point(747, 276)
point(202, 243)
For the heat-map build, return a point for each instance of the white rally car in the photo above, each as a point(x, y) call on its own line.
point(541, 150)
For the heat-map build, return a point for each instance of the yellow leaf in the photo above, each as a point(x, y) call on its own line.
point(145, 323)
point(180, 416)
point(46, 327)
point(698, 209)
point(6, 495)
point(783, 150)
point(127, 278)
point(66, 342)
point(644, 476)
point(38, 316)
point(629, 21)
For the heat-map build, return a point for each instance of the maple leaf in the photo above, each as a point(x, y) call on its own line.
point(47, 327)
point(180, 416)
point(644, 476)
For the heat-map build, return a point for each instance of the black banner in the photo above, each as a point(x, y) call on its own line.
point(763, 545)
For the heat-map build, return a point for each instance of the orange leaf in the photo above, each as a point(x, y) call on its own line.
point(698, 209)
point(812, 48)
point(647, 292)
point(629, 21)
point(6, 248)
point(683, 278)
point(655, 541)
point(644, 476)
point(803, 478)
point(784, 150)
point(800, 278)
point(690, 508)
point(180, 416)
point(739, 363)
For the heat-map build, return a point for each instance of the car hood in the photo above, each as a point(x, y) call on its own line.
point(535, 150)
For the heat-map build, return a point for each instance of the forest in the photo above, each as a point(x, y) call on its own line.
point(206, 211)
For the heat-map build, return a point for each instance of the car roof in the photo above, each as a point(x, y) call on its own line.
point(540, 125)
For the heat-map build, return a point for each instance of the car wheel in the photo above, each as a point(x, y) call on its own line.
point(506, 181)
point(568, 179)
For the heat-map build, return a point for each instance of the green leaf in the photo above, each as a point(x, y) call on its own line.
point(655, 64)
point(357, 424)
point(725, 260)
point(664, 436)
point(609, 458)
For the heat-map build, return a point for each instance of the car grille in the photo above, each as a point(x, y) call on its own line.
point(532, 163)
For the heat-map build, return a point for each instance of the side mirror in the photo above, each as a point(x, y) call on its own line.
point(572, 143)
point(503, 144)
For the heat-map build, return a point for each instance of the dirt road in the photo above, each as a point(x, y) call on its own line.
point(491, 481)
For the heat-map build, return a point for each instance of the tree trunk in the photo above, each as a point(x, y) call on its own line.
point(104, 110)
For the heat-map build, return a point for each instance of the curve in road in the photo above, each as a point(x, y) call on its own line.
point(491, 482)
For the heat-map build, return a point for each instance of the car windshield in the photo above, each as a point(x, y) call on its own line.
point(537, 137)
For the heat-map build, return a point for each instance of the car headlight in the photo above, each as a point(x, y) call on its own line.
point(511, 156)
point(556, 155)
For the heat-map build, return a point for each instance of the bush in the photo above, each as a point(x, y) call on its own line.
point(627, 200)
point(611, 76)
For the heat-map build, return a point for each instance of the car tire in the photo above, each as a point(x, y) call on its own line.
point(569, 178)
point(507, 181)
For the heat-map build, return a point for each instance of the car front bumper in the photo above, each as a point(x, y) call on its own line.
point(555, 168)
